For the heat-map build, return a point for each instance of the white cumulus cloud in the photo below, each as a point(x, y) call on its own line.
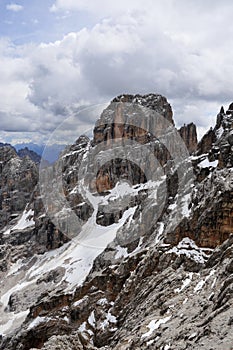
point(14, 7)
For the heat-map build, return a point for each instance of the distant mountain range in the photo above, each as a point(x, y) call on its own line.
point(52, 152)
point(31, 146)
point(5, 144)
point(35, 151)
point(26, 152)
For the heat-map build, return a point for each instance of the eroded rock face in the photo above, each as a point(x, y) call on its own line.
point(134, 118)
point(187, 297)
point(212, 220)
point(218, 141)
point(155, 102)
point(120, 126)
point(189, 135)
point(207, 141)
point(18, 178)
point(25, 152)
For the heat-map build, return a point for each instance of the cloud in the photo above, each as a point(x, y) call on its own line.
point(14, 7)
point(103, 6)
point(177, 49)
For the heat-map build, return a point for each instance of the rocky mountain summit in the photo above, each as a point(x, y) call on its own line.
point(26, 152)
point(126, 242)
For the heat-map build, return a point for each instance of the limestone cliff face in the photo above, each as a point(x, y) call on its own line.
point(18, 178)
point(118, 125)
point(212, 220)
point(218, 141)
point(20, 193)
point(123, 120)
point(189, 135)
point(47, 235)
point(206, 142)
point(155, 102)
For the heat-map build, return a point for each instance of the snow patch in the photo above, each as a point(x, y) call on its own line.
point(150, 342)
point(185, 284)
point(199, 286)
point(172, 206)
point(79, 302)
point(109, 319)
point(121, 252)
point(15, 268)
point(91, 319)
point(192, 336)
point(155, 324)
point(14, 320)
point(160, 233)
point(37, 321)
point(167, 347)
point(25, 221)
point(81, 251)
point(214, 282)
point(76, 257)
point(82, 327)
point(138, 248)
point(189, 248)
point(206, 163)
point(185, 205)
point(201, 283)
point(102, 302)
point(66, 319)
point(219, 132)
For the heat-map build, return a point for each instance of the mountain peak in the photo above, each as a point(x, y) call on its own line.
point(26, 152)
point(152, 101)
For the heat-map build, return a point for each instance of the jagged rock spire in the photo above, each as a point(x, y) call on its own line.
point(222, 110)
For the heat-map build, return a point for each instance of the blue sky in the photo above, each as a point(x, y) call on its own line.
point(33, 21)
point(58, 56)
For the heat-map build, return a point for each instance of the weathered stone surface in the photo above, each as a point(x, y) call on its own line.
point(124, 120)
point(192, 313)
point(206, 143)
point(189, 135)
point(18, 178)
point(218, 141)
point(120, 126)
point(25, 152)
point(211, 222)
point(155, 102)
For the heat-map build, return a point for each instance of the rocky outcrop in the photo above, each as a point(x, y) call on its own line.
point(152, 101)
point(189, 135)
point(18, 178)
point(212, 220)
point(212, 216)
point(155, 298)
point(218, 142)
point(207, 142)
point(115, 124)
point(133, 118)
point(25, 152)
